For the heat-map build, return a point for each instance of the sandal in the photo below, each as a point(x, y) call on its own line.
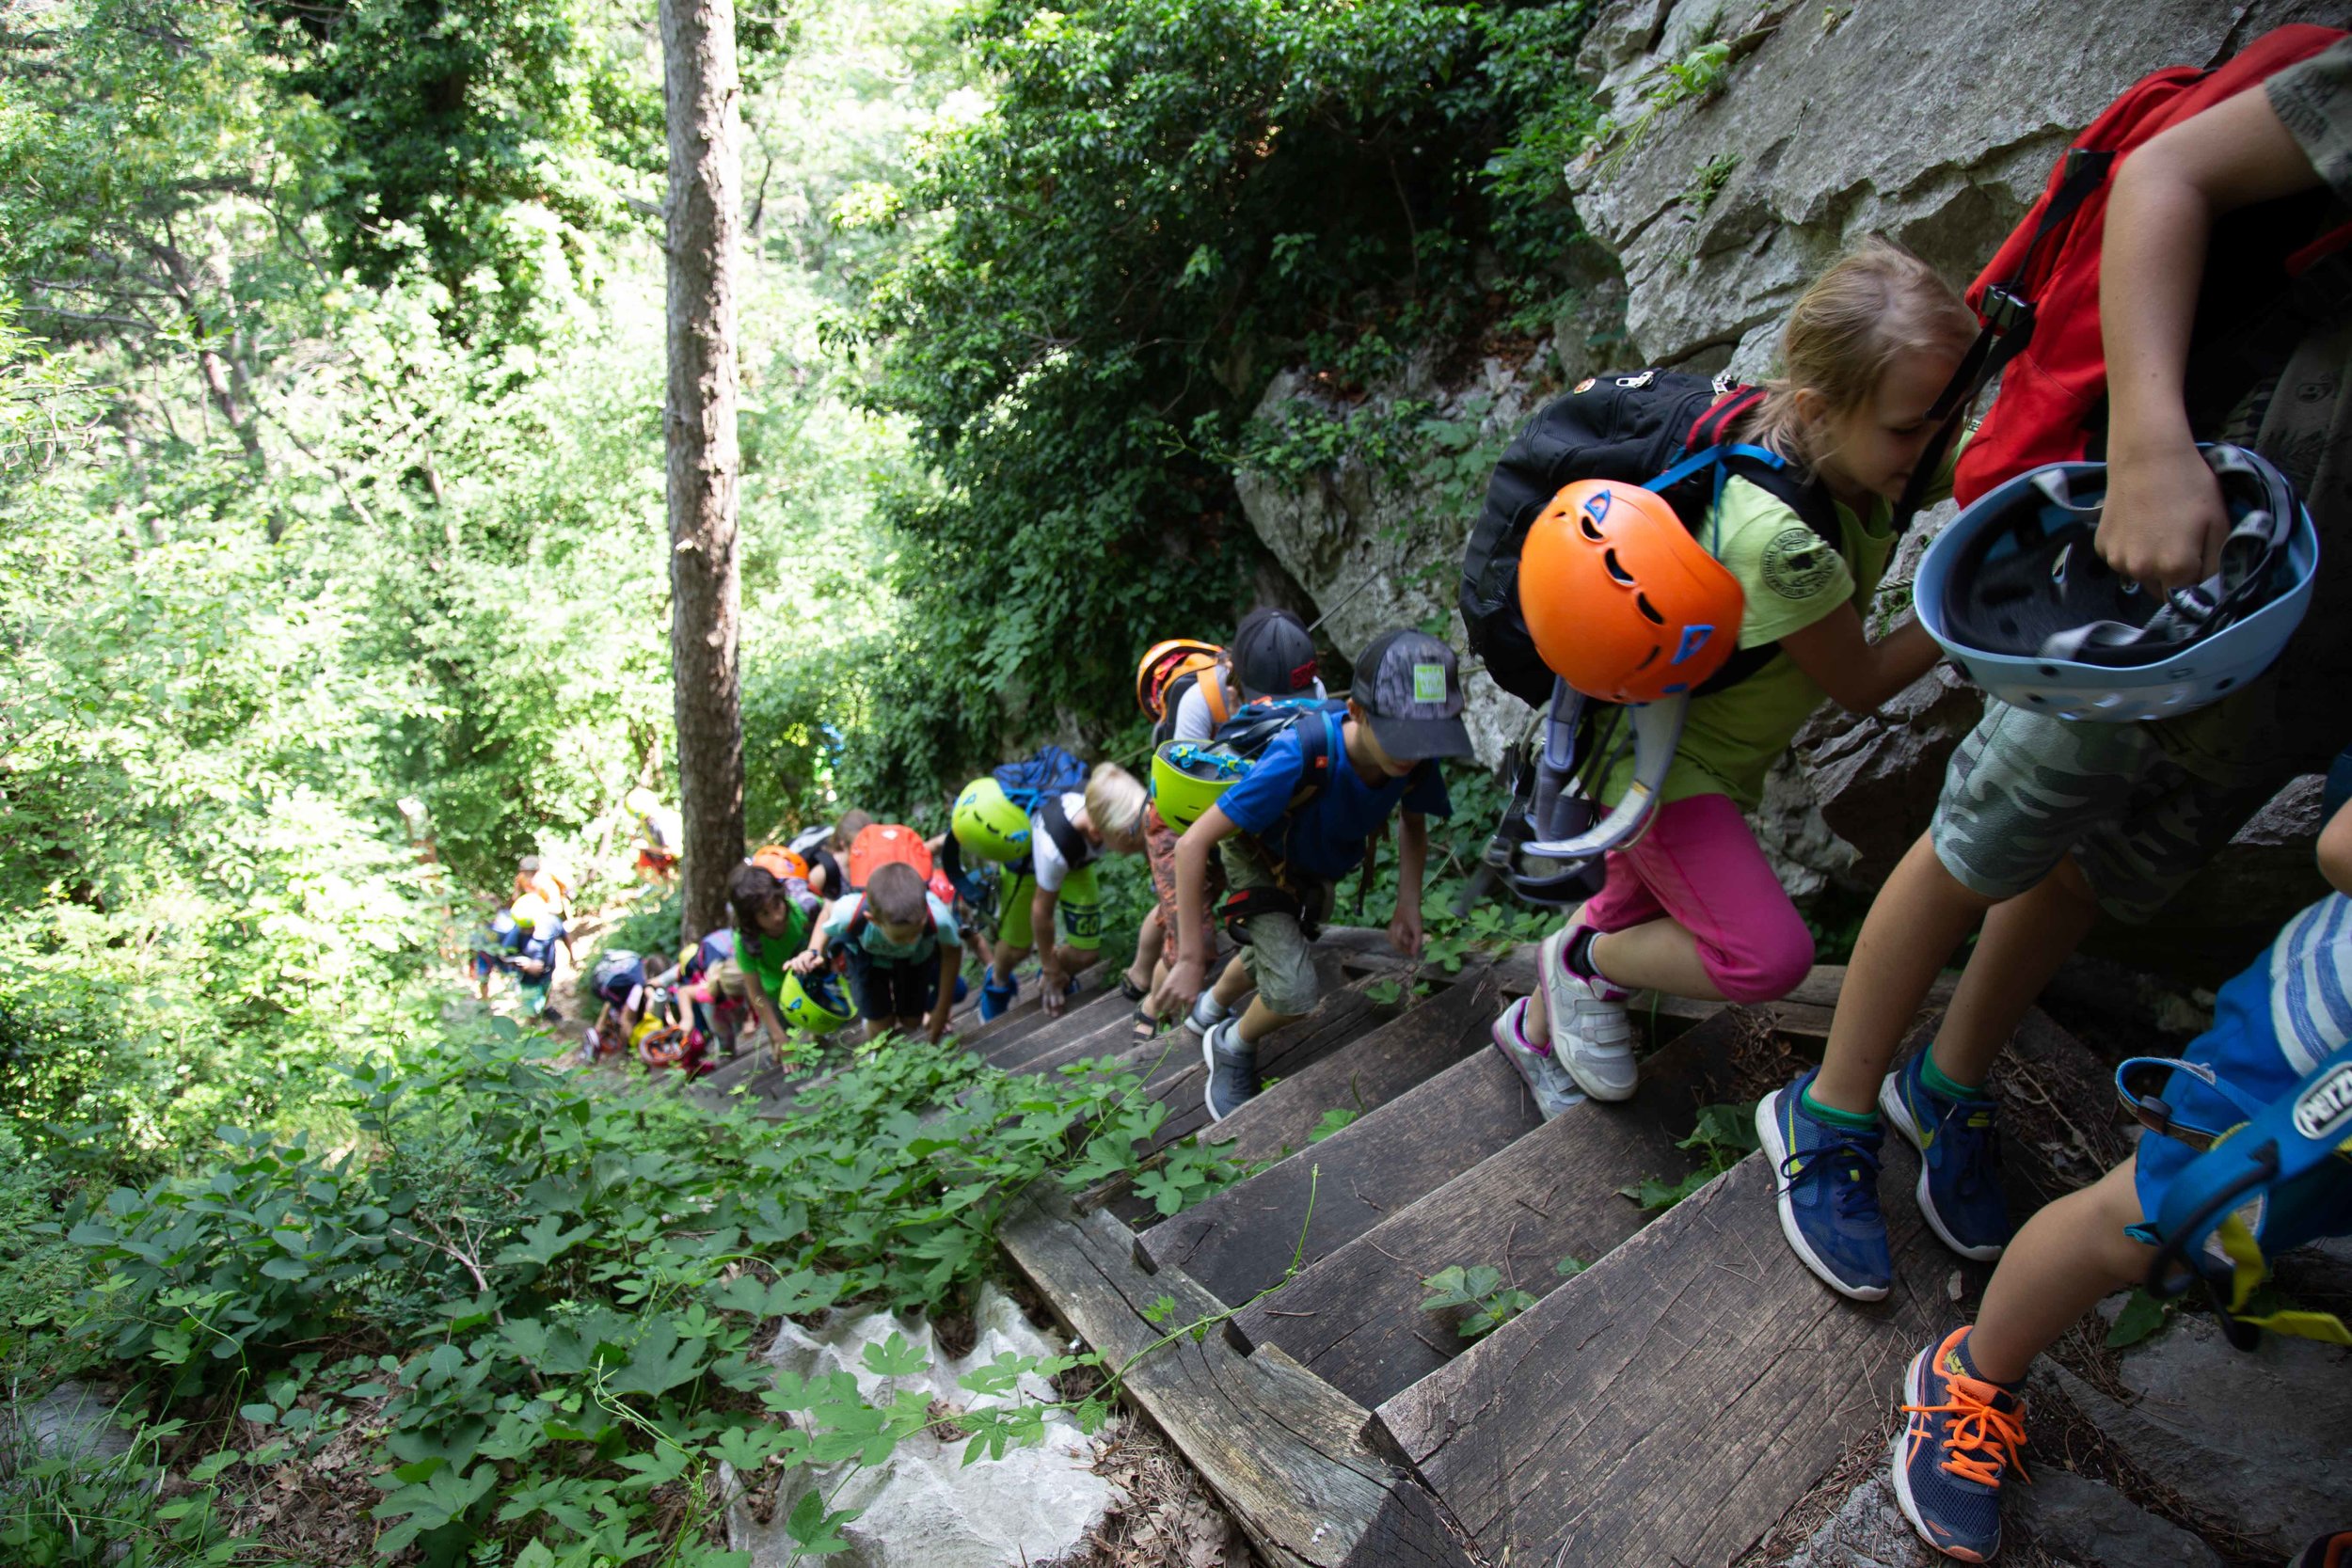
point(1128, 989)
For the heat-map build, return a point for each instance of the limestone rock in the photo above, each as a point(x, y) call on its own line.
point(1869, 1531)
point(1876, 775)
point(2240, 1436)
point(73, 1421)
point(1377, 547)
point(1900, 116)
point(924, 1508)
point(2266, 872)
point(2090, 1524)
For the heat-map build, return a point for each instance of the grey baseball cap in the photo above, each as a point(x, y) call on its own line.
point(1410, 685)
point(1273, 656)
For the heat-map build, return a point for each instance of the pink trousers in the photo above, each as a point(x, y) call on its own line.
point(1700, 866)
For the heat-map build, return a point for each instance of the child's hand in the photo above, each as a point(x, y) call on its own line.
point(1178, 988)
point(1052, 981)
point(935, 1027)
point(2164, 523)
point(805, 961)
point(1405, 933)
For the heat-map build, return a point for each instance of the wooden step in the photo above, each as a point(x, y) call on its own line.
point(1115, 1038)
point(1668, 1403)
point(1354, 1319)
point(1671, 1402)
point(1029, 1014)
point(1241, 1240)
point(1429, 1036)
point(1283, 1452)
point(1343, 1013)
point(1081, 1017)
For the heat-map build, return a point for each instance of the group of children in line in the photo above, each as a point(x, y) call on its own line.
point(1264, 792)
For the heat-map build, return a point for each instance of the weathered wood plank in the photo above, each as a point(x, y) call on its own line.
point(1283, 1452)
point(1592, 1428)
point(1082, 1016)
point(1427, 1037)
point(1354, 1318)
point(1241, 1241)
point(1341, 1016)
point(1668, 1403)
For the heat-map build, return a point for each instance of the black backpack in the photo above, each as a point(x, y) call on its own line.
point(1076, 848)
point(1634, 427)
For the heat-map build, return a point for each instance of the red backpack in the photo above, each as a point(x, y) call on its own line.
point(2039, 296)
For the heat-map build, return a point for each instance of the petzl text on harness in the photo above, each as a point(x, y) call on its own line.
point(2281, 1176)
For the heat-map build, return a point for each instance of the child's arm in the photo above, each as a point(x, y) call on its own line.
point(763, 1005)
point(811, 958)
point(1184, 976)
point(2164, 521)
point(950, 964)
point(1857, 674)
point(1412, 854)
point(1042, 906)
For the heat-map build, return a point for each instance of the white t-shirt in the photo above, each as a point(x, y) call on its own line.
point(1192, 720)
point(1045, 854)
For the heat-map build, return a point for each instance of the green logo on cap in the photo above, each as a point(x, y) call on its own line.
point(1429, 683)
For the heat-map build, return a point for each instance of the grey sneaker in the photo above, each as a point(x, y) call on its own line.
point(1592, 1034)
point(1232, 1080)
point(1207, 1013)
point(1547, 1080)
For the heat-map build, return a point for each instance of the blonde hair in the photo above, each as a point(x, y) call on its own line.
point(1876, 303)
point(1115, 800)
point(852, 824)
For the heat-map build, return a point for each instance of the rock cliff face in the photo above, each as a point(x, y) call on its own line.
point(1753, 143)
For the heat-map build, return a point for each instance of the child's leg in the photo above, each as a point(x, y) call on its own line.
point(1232, 983)
point(2066, 1258)
point(1623, 901)
point(1728, 929)
point(1918, 918)
point(1149, 938)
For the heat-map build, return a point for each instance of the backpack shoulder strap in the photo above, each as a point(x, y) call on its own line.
point(1213, 692)
point(1075, 849)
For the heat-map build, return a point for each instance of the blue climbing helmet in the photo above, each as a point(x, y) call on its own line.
point(2018, 595)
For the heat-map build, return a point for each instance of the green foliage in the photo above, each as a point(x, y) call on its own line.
point(1479, 1288)
point(537, 1299)
point(1725, 1135)
point(1165, 200)
point(1332, 1121)
point(66, 1510)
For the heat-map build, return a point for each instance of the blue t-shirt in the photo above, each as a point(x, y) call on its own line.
point(1326, 836)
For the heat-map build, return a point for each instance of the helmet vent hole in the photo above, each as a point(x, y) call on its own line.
point(2049, 671)
point(1649, 612)
point(1590, 529)
point(2225, 683)
point(1617, 567)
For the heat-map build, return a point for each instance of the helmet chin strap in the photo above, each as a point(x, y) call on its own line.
point(1656, 731)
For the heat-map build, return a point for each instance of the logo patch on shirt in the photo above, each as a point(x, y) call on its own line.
point(1429, 683)
point(1797, 565)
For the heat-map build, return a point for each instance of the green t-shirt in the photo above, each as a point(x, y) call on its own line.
point(1791, 580)
point(765, 956)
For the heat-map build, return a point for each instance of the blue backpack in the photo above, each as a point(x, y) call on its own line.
point(1031, 782)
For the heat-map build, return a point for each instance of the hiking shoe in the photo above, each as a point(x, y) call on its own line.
point(996, 996)
point(1828, 1193)
point(1547, 1080)
point(1959, 1161)
point(2332, 1550)
point(1959, 1437)
point(1207, 1013)
point(1592, 1034)
point(1232, 1080)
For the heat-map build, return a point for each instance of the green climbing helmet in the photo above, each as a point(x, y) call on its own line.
point(989, 825)
point(1188, 777)
point(817, 1011)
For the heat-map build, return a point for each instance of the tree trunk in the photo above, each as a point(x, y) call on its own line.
point(705, 231)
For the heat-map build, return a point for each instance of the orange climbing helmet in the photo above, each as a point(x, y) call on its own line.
point(878, 843)
point(1165, 664)
point(780, 862)
point(1620, 600)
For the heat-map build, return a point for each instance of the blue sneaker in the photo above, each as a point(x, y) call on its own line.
point(1960, 1436)
point(1959, 1162)
point(1232, 1080)
point(996, 996)
point(1829, 1192)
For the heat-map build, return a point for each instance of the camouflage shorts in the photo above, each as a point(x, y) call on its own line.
point(2026, 789)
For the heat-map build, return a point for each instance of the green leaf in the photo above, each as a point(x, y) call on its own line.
point(814, 1530)
point(894, 1357)
point(1333, 1119)
point(1568, 1268)
point(2142, 1315)
point(657, 1362)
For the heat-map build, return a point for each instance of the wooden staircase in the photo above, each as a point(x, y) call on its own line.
point(1666, 1403)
